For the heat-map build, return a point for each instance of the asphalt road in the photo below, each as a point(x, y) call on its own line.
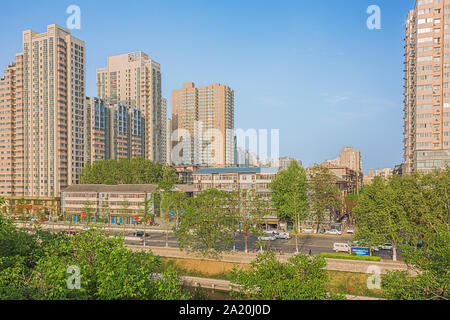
point(316, 243)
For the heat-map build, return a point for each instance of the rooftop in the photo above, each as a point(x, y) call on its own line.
point(239, 170)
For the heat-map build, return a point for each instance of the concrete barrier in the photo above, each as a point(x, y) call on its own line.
point(357, 266)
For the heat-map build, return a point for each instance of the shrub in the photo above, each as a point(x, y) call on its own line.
point(347, 256)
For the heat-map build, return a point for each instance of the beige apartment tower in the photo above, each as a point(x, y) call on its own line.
point(203, 119)
point(135, 80)
point(427, 87)
point(42, 117)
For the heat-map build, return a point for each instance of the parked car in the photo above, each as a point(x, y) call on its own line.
point(267, 238)
point(341, 247)
point(270, 231)
point(386, 246)
point(358, 244)
point(283, 235)
point(308, 230)
point(334, 232)
point(140, 234)
point(350, 230)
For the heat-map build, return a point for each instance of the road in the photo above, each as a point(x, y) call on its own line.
point(307, 242)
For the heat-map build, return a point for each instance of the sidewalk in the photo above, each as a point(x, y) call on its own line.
point(242, 258)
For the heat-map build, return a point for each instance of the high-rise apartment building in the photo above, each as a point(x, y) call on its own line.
point(134, 80)
point(164, 146)
point(42, 116)
point(427, 87)
point(114, 131)
point(204, 121)
point(168, 141)
point(349, 158)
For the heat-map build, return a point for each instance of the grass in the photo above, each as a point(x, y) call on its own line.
point(340, 282)
point(348, 256)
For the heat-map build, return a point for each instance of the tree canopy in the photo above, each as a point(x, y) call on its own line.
point(38, 266)
point(300, 278)
point(207, 223)
point(134, 171)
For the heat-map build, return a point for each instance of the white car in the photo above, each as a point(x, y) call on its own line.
point(270, 231)
point(267, 238)
point(386, 246)
point(341, 247)
point(308, 230)
point(350, 230)
point(283, 235)
point(334, 232)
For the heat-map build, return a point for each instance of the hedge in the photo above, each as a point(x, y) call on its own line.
point(348, 256)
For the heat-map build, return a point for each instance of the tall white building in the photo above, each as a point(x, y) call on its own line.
point(204, 121)
point(427, 87)
point(42, 115)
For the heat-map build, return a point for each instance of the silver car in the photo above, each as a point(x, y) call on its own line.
point(283, 235)
point(267, 238)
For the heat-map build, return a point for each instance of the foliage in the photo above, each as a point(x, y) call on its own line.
point(412, 212)
point(403, 208)
point(432, 262)
point(301, 278)
point(35, 267)
point(350, 202)
point(348, 256)
point(324, 194)
point(134, 171)
point(207, 223)
point(289, 195)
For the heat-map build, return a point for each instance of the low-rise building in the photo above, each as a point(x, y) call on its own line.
point(185, 173)
point(234, 179)
point(113, 203)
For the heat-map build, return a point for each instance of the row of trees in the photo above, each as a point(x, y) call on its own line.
point(212, 220)
point(297, 196)
point(413, 213)
point(134, 171)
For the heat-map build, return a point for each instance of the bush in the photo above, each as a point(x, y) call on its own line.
point(348, 257)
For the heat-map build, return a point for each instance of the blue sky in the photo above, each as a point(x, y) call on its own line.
point(309, 68)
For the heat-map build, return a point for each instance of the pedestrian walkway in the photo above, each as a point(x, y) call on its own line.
point(243, 258)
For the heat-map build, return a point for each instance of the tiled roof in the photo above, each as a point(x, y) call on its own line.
point(239, 170)
point(125, 188)
point(111, 188)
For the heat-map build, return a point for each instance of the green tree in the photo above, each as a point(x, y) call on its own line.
point(289, 196)
point(324, 194)
point(105, 211)
point(426, 247)
point(300, 278)
point(386, 210)
point(350, 202)
point(124, 213)
point(3, 206)
point(168, 197)
point(134, 171)
point(259, 209)
point(432, 264)
point(206, 223)
point(88, 211)
point(35, 267)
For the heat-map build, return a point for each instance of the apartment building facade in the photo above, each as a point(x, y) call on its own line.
point(427, 87)
point(42, 115)
point(203, 119)
point(114, 131)
point(135, 80)
point(232, 179)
